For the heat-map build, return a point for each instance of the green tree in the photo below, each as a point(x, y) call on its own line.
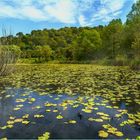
point(132, 29)
point(134, 14)
point(87, 44)
point(136, 46)
point(43, 53)
point(112, 38)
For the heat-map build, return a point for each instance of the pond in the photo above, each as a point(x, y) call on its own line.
point(70, 101)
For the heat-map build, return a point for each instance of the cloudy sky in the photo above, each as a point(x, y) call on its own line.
point(26, 15)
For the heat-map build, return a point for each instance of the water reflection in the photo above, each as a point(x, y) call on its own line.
point(58, 128)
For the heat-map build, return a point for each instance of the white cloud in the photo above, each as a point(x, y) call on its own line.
point(7, 11)
point(63, 11)
point(32, 13)
point(83, 12)
point(108, 10)
point(82, 20)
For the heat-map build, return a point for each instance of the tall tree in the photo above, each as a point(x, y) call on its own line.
point(132, 28)
point(112, 38)
point(87, 44)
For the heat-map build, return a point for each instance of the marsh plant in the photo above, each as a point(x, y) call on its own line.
point(9, 54)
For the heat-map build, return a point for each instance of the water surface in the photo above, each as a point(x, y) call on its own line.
point(67, 90)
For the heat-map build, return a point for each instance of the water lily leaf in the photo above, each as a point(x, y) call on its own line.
point(138, 138)
point(96, 120)
point(102, 114)
point(105, 118)
point(12, 118)
point(130, 121)
point(9, 126)
point(72, 121)
point(17, 108)
point(103, 134)
point(87, 110)
point(4, 138)
point(20, 100)
point(50, 104)
point(36, 107)
point(108, 106)
point(25, 116)
point(95, 108)
point(64, 108)
point(55, 110)
point(4, 127)
point(91, 119)
point(7, 96)
point(25, 122)
point(45, 136)
point(31, 99)
point(10, 122)
point(38, 116)
point(75, 106)
point(56, 98)
point(18, 120)
point(59, 117)
point(64, 104)
point(106, 126)
point(118, 133)
point(118, 115)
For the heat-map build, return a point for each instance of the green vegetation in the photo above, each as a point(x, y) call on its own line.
point(115, 44)
point(45, 136)
point(72, 100)
point(9, 54)
point(52, 100)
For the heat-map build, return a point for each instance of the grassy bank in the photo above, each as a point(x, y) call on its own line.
point(132, 63)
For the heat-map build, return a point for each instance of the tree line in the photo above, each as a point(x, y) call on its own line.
point(117, 42)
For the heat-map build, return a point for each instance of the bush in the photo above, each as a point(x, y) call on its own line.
point(9, 55)
point(121, 60)
point(135, 64)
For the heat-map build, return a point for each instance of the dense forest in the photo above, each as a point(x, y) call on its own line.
point(116, 42)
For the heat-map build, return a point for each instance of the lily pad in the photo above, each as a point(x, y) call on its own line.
point(103, 134)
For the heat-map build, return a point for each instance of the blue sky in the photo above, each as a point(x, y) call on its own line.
point(26, 15)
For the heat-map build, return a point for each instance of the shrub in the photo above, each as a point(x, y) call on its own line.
point(135, 64)
point(9, 54)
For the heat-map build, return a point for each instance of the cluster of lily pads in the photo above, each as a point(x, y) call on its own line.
point(83, 82)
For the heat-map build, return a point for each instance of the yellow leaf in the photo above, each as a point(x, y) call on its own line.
point(91, 119)
point(45, 136)
point(10, 122)
point(55, 110)
point(59, 117)
point(17, 108)
point(38, 116)
point(98, 120)
point(48, 110)
point(72, 121)
point(25, 122)
point(118, 133)
point(4, 127)
point(25, 116)
point(18, 120)
point(9, 126)
point(87, 110)
point(103, 134)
